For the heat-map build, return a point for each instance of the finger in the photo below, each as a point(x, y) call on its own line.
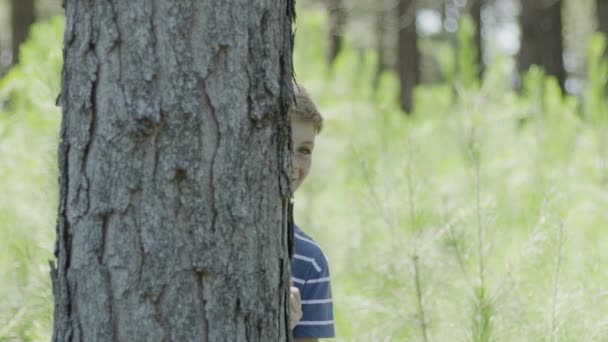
point(295, 292)
point(294, 298)
point(295, 302)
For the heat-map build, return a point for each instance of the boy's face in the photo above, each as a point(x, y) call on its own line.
point(303, 142)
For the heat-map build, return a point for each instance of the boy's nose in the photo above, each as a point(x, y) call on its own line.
point(294, 173)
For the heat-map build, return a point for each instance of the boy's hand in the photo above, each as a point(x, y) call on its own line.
point(295, 306)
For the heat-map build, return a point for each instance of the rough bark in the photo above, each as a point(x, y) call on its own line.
point(337, 19)
point(408, 54)
point(174, 179)
point(23, 15)
point(541, 38)
point(602, 18)
point(475, 10)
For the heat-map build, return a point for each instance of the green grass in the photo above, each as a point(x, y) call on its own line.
point(479, 218)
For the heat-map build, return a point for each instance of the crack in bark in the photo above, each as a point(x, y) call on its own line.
point(61, 290)
point(200, 282)
point(77, 332)
point(119, 41)
point(216, 127)
point(180, 212)
point(113, 320)
point(140, 246)
point(285, 301)
point(92, 111)
point(237, 310)
point(156, 156)
point(101, 254)
point(283, 136)
point(164, 323)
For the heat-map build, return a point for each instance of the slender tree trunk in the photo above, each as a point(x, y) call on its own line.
point(382, 15)
point(337, 19)
point(602, 18)
point(23, 14)
point(475, 9)
point(408, 55)
point(443, 13)
point(174, 171)
point(541, 37)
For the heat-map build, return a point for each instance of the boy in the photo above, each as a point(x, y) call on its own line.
point(309, 268)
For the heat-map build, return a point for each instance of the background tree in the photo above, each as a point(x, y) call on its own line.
point(381, 28)
point(337, 20)
point(408, 54)
point(541, 38)
point(173, 175)
point(602, 17)
point(475, 11)
point(22, 17)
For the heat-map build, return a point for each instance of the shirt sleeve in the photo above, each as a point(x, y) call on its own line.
point(317, 307)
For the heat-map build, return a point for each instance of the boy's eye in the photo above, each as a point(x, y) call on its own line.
point(304, 150)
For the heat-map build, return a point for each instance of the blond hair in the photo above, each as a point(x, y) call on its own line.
point(304, 109)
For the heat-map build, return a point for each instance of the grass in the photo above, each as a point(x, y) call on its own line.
point(479, 218)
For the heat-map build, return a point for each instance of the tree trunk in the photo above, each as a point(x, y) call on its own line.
point(475, 11)
point(337, 18)
point(602, 18)
point(443, 13)
point(382, 14)
point(174, 171)
point(408, 55)
point(22, 17)
point(541, 38)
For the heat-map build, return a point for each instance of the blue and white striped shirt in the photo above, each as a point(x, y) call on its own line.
point(310, 274)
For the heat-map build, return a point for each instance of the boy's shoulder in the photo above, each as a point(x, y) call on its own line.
point(309, 251)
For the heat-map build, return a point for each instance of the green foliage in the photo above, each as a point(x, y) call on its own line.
point(596, 104)
point(468, 65)
point(478, 218)
point(29, 85)
point(28, 141)
point(444, 53)
point(446, 224)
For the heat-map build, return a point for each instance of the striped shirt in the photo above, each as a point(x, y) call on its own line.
point(310, 274)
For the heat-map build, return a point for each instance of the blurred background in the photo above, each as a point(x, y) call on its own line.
point(459, 187)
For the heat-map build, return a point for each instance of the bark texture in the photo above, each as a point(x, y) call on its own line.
point(541, 38)
point(174, 177)
point(23, 15)
point(408, 54)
